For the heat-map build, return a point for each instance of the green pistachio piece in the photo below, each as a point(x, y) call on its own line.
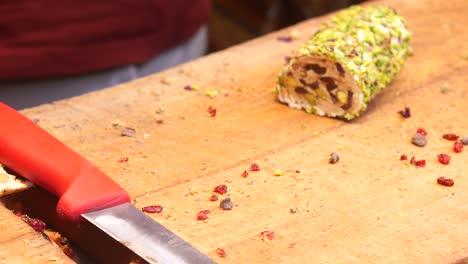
point(211, 93)
point(310, 98)
point(322, 94)
point(279, 173)
point(342, 96)
point(290, 81)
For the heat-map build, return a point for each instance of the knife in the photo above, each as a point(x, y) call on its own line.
point(85, 192)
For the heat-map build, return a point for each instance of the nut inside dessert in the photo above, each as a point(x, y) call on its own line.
point(321, 86)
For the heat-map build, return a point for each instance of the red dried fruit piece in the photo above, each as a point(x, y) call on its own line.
point(152, 209)
point(221, 189)
point(421, 131)
point(444, 181)
point(406, 113)
point(203, 215)
point(123, 159)
point(450, 136)
point(214, 198)
point(417, 163)
point(245, 174)
point(403, 157)
point(159, 121)
point(254, 167)
point(36, 224)
point(443, 158)
point(268, 235)
point(69, 252)
point(221, 252)
point(420, 163)
point(457, 147)
point(212, 111)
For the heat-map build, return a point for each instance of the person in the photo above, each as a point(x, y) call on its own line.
point(50, 49)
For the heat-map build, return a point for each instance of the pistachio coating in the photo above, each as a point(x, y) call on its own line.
point(346, 62)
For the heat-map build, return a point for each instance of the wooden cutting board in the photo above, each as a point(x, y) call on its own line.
point(370, 207)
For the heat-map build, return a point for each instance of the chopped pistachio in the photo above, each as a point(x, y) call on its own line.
point(444, 89)
point(342, 96)
point(349, 116)
point(310, 98)
point(290, 81)
point(322, 94)
point(117, 123)
point(211, 93)
point(279, 173)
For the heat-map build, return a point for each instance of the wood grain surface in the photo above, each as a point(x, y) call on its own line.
point(21, 245)
point(370, 207)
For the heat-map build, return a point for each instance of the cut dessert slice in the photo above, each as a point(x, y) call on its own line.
point(346, 62)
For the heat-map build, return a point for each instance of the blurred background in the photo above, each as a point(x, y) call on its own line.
point(83, 46)
point(235, 21)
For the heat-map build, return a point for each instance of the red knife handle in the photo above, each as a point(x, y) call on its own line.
point(35, 154)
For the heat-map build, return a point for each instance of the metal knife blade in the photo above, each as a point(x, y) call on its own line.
point(85, 191)
point(145, 237)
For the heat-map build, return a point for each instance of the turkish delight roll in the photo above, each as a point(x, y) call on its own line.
point(346, 62)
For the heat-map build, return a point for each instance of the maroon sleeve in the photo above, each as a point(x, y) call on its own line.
point(44, 38)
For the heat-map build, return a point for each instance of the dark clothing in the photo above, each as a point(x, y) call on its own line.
point(45, 38)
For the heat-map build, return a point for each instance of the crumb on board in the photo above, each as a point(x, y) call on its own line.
point(334, 158)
